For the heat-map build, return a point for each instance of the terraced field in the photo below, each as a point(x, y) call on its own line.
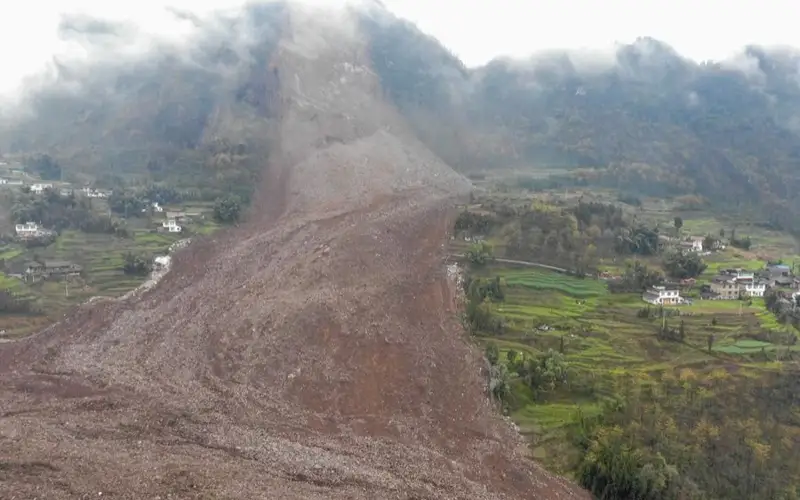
point(603, 337)
point(101, 257)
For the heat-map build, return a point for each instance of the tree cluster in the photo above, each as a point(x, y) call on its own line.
point(691, 437)
point(136, 264)
point(637, 277)
point(682, 265)
point(227, 210)
point(57, 212)
point(479, 253)
point(44, 166)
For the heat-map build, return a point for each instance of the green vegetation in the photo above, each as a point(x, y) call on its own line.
point(57, 212)
point(479, 253)
point(682, 265)
point(652, 123)
point(136, 264)
point(227, 210)
point(44, 166)
point(634, 400)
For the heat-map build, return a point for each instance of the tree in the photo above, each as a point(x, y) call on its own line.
point(678, 223)
point(743, 243)
point(710, 243)
point(46, 167)
point(492, 353)
point(126, 203)
point(499, 381)
point(545, 372)
point(511, 356)
point(227, 209)
point(682, 265)
point(135, 264)
point(479, 253)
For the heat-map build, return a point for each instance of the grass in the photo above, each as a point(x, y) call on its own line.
point(100, 255)
point(544, 280)
point(604, 338)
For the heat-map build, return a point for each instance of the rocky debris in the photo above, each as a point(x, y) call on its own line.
point(256, 368)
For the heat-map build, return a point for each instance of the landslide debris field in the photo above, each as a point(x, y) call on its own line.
point(313, 352)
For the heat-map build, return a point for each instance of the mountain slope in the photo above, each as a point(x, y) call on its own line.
point(642, 117)
point(645, 118)
point(313, 352)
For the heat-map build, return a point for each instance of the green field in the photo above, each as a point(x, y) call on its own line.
point(604, 338)
point(100, 255)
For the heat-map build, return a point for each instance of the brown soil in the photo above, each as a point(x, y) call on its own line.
point(312, 353)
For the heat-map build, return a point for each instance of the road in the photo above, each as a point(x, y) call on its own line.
point(520, 263)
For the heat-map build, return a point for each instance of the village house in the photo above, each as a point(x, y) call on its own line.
point(95, 193)
point(172, 226)
point(731, 284)
point(39, 188)
point(693, 244)
point(28, 230)
point(52, 268)
point(157, 207)
point(176, 216)
point(751, 287)
point(724, 287)
point(662, 295)
point(778, 275)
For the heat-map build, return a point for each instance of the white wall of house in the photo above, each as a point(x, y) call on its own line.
point(27, 228)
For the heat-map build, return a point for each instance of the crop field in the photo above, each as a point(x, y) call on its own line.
point(603, 337)
point(100, 255)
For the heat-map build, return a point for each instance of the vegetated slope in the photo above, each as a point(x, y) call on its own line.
point(645, 118)
point(312, 353)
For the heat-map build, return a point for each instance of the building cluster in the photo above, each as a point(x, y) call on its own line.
point(732, 284)
point(729, 284)
point(32, 271)
point(30, 230)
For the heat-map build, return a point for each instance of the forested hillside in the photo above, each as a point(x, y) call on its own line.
point(643, 118)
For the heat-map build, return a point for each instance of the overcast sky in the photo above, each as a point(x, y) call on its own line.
point(475, 30)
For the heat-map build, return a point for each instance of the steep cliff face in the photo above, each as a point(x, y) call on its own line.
point(313, 352)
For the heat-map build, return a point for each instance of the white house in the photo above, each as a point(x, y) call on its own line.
point(751, 287)
point(694, 244)
point(157, 207)
point(39, 188)
point(662, 295)
point(94, 193)
point(171, 226)
point(3, 181)
point(28, 229)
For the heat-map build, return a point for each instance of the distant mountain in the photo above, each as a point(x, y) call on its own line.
point(646, 118)
point(641, 117)
point(190, 114)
